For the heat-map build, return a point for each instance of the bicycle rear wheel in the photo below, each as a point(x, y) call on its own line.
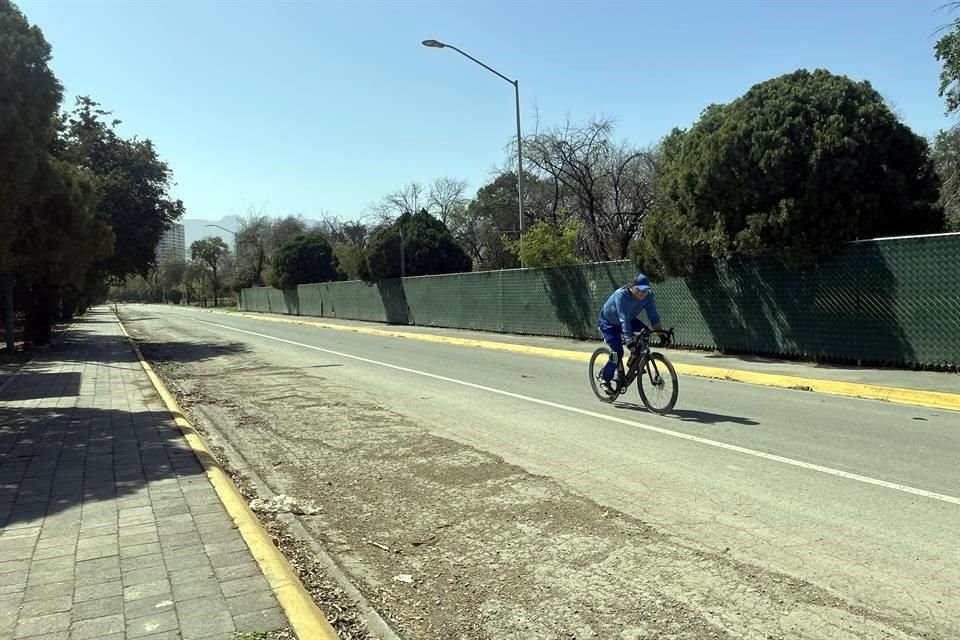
point(598, 361)
point(658, 384)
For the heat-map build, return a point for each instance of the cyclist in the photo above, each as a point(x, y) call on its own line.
point(619, 319)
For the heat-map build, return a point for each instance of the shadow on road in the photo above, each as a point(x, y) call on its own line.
point(189, 351)
point(705, 417)
point(692, 415)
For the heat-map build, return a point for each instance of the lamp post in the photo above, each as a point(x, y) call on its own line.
point(436, 44)
point(233, 233)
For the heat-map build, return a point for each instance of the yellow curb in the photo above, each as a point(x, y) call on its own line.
point(307, 620)
point(897, 395)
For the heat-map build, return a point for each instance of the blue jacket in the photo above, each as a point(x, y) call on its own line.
point(621, 307)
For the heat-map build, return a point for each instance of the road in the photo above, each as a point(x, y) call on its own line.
point(750, 512)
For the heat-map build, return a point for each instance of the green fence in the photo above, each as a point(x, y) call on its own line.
point(882, 301)
point(267, 300)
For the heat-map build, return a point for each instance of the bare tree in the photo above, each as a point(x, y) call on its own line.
point(337, 231)
point(607, 186)
point(442, 199)
point(253, 247)
point(409, 199)
point(446, 197)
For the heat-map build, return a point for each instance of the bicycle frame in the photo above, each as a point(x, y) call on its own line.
point(640, 356)
point(639, 362)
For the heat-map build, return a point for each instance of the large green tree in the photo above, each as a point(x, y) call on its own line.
point(421, 241)
point(58, 238)
point(798, 166)
point(29, 97)
point(133, 185)
point(304, 259)
point(211, 251)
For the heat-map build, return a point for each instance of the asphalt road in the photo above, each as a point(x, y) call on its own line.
point(859, 497)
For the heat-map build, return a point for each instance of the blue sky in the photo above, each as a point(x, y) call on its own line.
point(323, 107)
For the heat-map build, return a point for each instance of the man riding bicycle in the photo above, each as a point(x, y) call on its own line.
point(619, 319)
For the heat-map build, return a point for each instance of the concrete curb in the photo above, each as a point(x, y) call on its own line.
point(307, 620)
point(898, 395)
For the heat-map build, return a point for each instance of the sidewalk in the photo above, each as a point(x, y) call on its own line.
point(109, 528)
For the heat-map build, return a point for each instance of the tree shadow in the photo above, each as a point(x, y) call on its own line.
point(291, 303)
point(569, 294)
point(577, 294)
point(183, 352)
point(394, 299)
point(54, 459)
point(842, 309)
point(45, 385)
point(107, 349)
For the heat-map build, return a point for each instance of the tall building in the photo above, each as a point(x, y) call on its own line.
point(172, 247)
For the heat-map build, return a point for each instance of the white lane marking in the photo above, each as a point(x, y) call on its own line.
point(600, 416)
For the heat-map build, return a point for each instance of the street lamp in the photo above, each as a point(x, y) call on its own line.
point(234, 233)
point(436, 44)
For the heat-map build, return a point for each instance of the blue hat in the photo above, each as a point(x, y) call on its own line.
point(642, 282)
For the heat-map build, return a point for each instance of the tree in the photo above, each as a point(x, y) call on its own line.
point(408, 199)
point(211, 251)
point(547, 246)
point(29, 97)
point(798, 166)
point(171, 275)
point(284, 230)
point(253, 249)
point(946, 158)
point(351, 261)
point(446, 198)
point(193, 284)
point(132, 185)
point(606, 185)
point(947, 51)
point(481, 226)
point(443, 198)
point(425, 244)
point(305, 259)
point(348, 239)
point(57, 239)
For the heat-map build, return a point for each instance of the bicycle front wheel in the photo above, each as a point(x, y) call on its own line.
point(658, 384)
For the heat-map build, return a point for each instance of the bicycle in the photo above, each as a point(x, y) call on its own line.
point(643, 363)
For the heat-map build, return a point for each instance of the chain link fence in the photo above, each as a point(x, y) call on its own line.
point(891, 301)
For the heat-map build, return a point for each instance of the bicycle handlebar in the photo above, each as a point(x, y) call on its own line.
point(646, 333)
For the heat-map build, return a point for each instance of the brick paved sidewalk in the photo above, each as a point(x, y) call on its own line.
point(110, 529)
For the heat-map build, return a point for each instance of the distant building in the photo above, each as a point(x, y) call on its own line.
point(172, 247)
